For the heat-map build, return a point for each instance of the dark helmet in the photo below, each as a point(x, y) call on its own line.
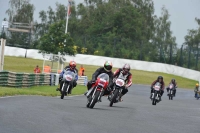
point(173, 80)
point(108, 66)
point(126, 68)
point(160, 77)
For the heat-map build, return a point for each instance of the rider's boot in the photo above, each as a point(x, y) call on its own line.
point(150, 96)
point(120, 97)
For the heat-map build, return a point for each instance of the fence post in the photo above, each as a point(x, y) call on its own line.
point(52, 79)
point(181, 56)
point(141, 43)
point(197, 56)
point(170, 60)
point(57, 79)
point(189, 57)
point(2, 48)
point(160, 52)
point(85, 80)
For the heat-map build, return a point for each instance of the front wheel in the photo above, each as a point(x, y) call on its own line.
point(116, 92)
point(88, 102)
point(153, 102)
point(94, 99)
point(154, 99)
point(64, 91)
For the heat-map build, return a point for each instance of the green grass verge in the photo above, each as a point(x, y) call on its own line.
point(21, 64)
point(38, 90)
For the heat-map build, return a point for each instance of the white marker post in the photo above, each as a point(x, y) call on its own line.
point(2, 48)
point(68, 13)
point(3, 43)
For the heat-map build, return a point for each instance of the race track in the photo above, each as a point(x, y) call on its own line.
point(136, 114)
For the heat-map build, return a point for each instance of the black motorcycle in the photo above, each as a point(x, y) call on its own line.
point(155, 96)
point(171, 91)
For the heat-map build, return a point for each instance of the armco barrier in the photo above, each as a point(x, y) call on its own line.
point(13, 79)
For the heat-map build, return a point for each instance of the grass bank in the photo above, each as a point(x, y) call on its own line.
point(21, 64)
point(38, 90)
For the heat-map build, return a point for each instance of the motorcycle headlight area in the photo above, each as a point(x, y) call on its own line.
point(102, 82)
point(119, 82)
point(157, 88)
point(68, 77)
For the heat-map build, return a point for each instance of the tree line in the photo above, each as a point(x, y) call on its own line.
point(114, 28)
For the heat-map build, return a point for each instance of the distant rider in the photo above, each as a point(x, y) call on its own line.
point(70, 67)
point(196, 89)
point(160, 80)
point(173, 81)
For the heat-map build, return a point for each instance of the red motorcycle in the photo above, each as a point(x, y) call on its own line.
point(97, 90)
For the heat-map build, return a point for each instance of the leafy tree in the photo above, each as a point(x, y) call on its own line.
point(55, 40)
point(163, 39)
point(116, 28)
point(192, 42)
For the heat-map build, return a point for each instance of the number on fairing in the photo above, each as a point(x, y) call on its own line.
point(171, 86)
point(102, 82)
point(68, 77)
point(119, 82)
point(156, 87)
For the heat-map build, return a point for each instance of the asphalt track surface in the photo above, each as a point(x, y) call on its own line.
point(136, 114)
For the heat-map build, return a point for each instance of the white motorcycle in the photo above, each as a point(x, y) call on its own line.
point(68, 78)
point(117, 90)
point(155, 96)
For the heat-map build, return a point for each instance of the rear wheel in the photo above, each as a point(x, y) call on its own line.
point(94, 100)
point(116, 92)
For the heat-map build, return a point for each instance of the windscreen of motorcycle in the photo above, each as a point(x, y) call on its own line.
point(171, 86)
point(103, 79)
point(104, 76)
point(69, 75)
point(157, 86)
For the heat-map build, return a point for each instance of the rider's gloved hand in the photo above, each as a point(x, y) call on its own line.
point(109, 89)
point(93, 80)
point(60, 79)
point(126, 87)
